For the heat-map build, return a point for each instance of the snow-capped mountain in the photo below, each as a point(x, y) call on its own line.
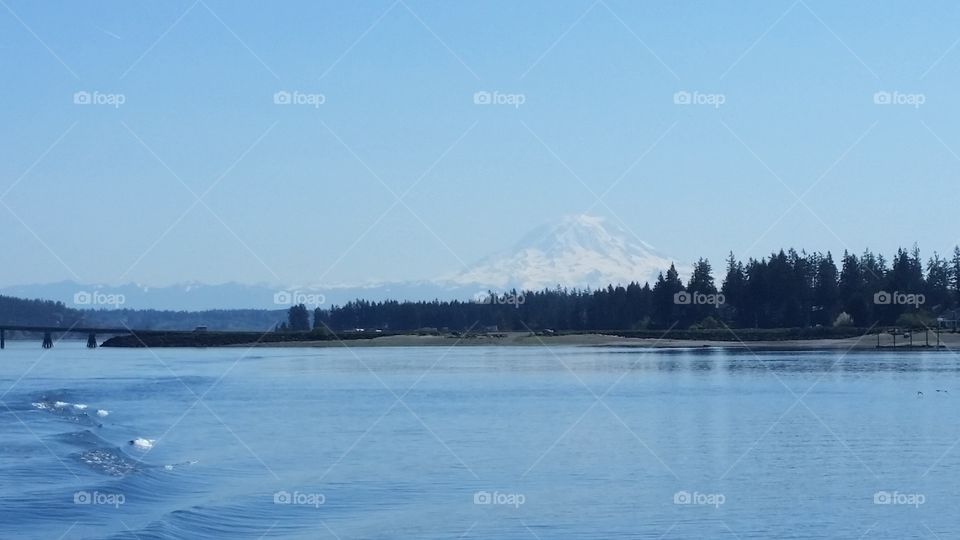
point(575, 251)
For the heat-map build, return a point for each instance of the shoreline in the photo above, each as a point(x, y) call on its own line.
point(949, 342)
point(752, 340)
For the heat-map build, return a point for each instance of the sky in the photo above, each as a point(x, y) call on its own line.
point(345, 142)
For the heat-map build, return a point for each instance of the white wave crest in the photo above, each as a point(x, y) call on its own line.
point(142, 444)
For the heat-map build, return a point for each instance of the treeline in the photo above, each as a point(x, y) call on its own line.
point(215, 319)
point(19, 311)
point(788, 289)
point(24, 312)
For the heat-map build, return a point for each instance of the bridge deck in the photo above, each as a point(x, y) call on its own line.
point(87, 330)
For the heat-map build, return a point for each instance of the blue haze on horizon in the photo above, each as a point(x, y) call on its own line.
point(301, 194)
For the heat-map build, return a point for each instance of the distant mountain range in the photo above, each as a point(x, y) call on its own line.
point(575, 251)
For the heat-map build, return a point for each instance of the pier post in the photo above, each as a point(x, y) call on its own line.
point(47, 341)
point(91, 341)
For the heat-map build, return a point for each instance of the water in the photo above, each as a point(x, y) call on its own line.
point(412, 442)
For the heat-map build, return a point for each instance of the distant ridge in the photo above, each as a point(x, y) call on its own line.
point(574, 251)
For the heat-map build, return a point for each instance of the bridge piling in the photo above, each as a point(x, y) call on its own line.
point(47, 341)
point(91, 341)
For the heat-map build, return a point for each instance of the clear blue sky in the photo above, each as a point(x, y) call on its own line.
point(100, 193)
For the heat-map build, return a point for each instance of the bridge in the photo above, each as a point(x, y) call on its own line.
point(198, 337)
point(49, 331)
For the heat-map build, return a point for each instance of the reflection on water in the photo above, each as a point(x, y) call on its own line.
point(477, 442)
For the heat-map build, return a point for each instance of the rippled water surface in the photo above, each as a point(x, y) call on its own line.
point(477, 442)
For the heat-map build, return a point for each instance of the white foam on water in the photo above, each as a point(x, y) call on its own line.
point(80, 406)
point(175, 465)
point(102, 412)
point(60, 404)
point(142, 444)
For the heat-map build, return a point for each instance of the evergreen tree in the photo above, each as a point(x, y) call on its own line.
point(298, 318)
point(937, 290)
point(955, 275)
point(665, 309)
point(852, 290)
point(701, 288)
point(319, 323)
point(826, 293)
point(734, 286)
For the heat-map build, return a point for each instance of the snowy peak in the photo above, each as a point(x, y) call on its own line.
point(575, 251)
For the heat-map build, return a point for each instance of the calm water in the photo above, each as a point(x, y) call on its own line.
point(477, 443)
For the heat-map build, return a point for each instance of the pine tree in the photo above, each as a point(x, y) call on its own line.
point(937, 290)
point(852, 290)
point(734, 285)
point(298, 318)
point(665, 308)
point(955, 275)
point(702, 295)
point(826, 293)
